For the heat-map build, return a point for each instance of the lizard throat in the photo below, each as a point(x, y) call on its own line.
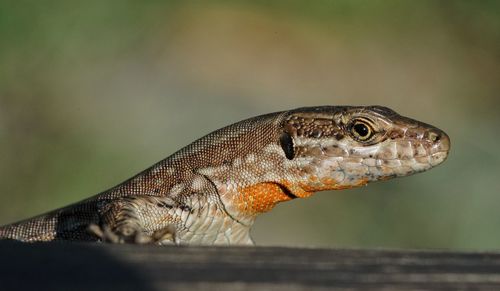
point(262, 197)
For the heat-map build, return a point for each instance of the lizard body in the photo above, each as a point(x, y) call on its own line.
point(211, 191)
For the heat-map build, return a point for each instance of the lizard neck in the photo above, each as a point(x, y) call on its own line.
point(244, 203)
point(261, 197)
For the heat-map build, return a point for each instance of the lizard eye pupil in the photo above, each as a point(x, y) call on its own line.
point(286, 143)
point(361, 129)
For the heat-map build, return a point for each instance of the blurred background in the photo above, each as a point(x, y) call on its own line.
point(93, 93)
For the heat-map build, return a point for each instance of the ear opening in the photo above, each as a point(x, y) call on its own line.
point(286, 142)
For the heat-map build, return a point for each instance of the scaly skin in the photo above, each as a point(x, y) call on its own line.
point(211, 191)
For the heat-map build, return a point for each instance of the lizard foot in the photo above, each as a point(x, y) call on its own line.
point(120, 236)
point(127, 234)
point(165, 236)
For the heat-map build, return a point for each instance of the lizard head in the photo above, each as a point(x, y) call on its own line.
point(280, 156)
point(343, 147)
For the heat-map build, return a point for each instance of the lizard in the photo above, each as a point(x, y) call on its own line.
point(211, 191)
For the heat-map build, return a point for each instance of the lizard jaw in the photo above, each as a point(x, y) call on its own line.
point(341, 165)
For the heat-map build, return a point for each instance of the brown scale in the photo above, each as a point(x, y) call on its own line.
point(313, 128)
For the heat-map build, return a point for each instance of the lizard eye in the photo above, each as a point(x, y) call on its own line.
point(286, 143)
point(361, 130)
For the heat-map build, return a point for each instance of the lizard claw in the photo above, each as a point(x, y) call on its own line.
point(127, 234)
point(165, 236)
point(105, 234)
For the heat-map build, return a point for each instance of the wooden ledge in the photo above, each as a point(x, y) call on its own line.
point(82, 266)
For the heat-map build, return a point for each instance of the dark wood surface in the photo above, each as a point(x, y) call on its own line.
point(79, 266)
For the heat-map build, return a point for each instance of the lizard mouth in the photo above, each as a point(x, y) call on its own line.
point(360, 165)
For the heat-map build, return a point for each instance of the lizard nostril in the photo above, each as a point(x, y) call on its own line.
point(439, 140)
point(434, 137)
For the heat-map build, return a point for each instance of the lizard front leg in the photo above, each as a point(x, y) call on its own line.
point(196, 218)
point(140, 220)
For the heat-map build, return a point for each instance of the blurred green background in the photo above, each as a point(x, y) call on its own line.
point(93, 92)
